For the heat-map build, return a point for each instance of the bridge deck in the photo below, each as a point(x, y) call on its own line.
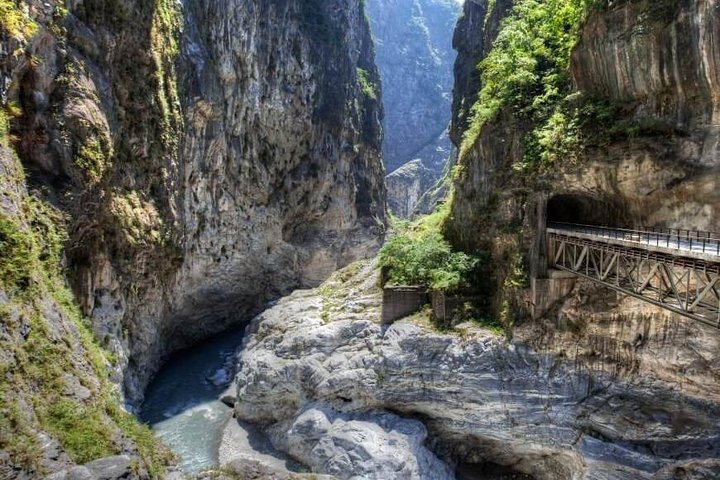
point(680, 243)
point(678, 271)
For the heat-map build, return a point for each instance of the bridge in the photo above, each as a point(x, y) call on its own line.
point(678, 270)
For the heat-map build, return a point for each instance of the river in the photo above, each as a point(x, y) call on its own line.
point(181, 404)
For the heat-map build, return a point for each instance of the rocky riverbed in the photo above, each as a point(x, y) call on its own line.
point(346, 395)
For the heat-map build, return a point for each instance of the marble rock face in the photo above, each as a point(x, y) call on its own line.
point(482, 399)
point(249, 165)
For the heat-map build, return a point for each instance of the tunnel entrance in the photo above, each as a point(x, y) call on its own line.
point(585, 209)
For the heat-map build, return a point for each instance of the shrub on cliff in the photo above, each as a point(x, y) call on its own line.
point(426, 260)
point(528, 71)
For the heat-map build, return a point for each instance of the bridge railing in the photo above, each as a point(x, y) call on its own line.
point(688, 240)
point(686, 234)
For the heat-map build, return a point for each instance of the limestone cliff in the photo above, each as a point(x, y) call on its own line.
point(405, 187)
point(656, 64)
point(204, 158)
point(414, 57)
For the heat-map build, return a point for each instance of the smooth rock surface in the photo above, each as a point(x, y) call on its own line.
point(373, 446)
point(243, 443)
point(553, 415)
point(110, 468)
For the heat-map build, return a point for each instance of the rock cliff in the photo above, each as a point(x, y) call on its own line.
point(247, 165)
point(646, 155)
point(405, 187)
point(649, 63)
point(202, 158)
point(414, 56)
point(413, 39)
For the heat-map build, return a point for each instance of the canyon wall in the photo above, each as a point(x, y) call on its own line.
point(201, 160)
point(656, 64)
point(648, 156)
point(413, 39)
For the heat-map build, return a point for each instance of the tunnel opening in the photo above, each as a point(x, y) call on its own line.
point(584, 209)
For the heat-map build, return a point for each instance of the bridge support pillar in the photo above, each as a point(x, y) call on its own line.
point(547, 292)
point(538, 252)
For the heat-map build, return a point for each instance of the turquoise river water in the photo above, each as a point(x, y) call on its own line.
point(181, 404)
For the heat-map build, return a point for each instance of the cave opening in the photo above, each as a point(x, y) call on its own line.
point(585, 209)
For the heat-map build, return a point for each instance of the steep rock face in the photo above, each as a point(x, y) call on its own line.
point(208, 157)
point(405, 187)
point(475, 31)
point(58, 408)
point(662, 58)
point(586, 408)
point(282, 177)
point(414, 54)
point(631, 55)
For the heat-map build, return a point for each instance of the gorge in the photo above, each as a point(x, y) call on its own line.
point(173, 171)
point(413, 44)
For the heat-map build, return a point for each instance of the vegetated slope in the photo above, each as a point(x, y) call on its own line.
point(59, 407)
point(180, 175)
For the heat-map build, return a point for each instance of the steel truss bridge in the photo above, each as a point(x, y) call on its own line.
point(678, 270)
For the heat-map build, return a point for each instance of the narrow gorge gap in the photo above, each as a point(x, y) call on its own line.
point(415, 57)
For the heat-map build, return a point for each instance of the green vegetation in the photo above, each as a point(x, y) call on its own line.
point(7, 112)
point(166, 28)
point(83, 432)
point(426, 260)
point(527, 71)
point(15, 251)
point(49, 344)
point(368, 88)
point(92, 158)
point(526, 75)
point(139, 220)
point(419, 255)
point(14, 22)
point(488, 13)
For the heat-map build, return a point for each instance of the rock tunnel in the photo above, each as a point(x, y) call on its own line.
point(582, 208)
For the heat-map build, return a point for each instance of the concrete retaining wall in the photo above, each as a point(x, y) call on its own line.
point(399, 302)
